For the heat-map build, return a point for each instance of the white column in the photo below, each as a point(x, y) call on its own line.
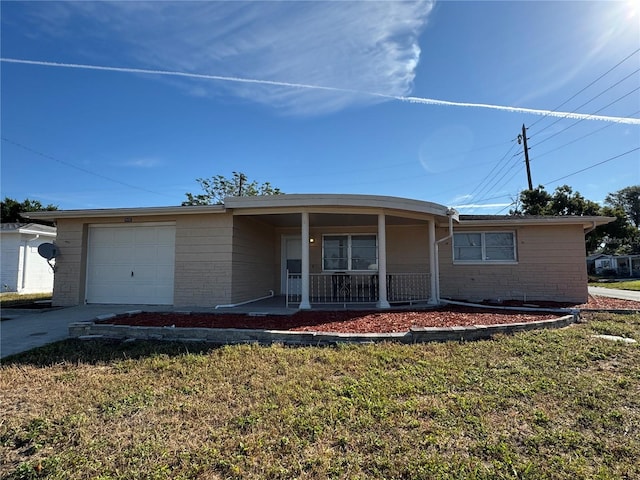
point(382, 262)
point(304, 301)
point(433, 263)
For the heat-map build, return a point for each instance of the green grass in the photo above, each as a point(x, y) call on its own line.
point(627, 285)
point(9, 299)
point(553, 404)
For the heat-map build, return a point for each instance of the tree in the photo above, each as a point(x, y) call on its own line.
point(617, 237)
point(11, 209)
point(628, 199)
point(217, 188)
point(564, 201)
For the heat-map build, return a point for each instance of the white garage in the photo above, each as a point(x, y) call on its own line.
point(132, 264)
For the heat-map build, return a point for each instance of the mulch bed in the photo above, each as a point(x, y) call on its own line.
point(349, 321)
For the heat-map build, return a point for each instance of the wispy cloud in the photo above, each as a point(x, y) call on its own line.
point(481, 206)
point(336, 90)
point(352, 46)
point(142, 162)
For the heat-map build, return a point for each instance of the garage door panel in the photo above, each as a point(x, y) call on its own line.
point(110, 273)
point(115, 252)
point(119, 254)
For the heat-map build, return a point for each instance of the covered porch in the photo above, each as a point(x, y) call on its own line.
point(354, 255)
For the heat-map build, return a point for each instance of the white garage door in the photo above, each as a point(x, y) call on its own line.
point(131, 265)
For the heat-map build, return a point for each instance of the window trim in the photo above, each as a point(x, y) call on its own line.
point(349, 258)
point(484, 260)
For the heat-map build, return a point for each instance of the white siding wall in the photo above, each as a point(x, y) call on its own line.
point(23, 269)
point(9, 261)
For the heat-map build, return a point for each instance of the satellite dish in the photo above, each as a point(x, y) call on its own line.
point(48, 251)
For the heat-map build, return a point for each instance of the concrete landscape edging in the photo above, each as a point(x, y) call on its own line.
point(232, 336)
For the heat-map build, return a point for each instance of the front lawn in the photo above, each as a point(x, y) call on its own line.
point(12, 299)
point(555, 404)
point(626, 285)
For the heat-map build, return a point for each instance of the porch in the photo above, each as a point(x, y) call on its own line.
point(348, 288)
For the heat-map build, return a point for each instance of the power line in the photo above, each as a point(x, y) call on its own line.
point(495, 185)
point(495, 166)
point(592, 166)
point(489, 186)
point(71, 165)
point(596, 80)
point(590, 100)
point(580, 138)
point(583, 119)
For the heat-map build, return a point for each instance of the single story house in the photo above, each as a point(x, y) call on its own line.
point(617, 265)
point(315, 249)
point(23, 270)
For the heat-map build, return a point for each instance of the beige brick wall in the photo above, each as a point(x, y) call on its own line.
point(408, 249)
point(69, 278)
point(551, 266)
point(255, 267)
point(203, 260)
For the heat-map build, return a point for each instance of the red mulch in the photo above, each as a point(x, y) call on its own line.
point(349, 321)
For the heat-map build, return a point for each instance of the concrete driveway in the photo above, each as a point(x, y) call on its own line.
point(614, 293)
point(26, 329)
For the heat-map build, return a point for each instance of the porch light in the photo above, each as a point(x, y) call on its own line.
point(312, 240)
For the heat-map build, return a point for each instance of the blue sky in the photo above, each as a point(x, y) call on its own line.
point(125, 104)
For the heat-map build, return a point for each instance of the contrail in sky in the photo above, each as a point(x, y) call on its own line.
point(419, 100)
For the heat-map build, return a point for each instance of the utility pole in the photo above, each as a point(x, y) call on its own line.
point(242, 179)
point(522, 139)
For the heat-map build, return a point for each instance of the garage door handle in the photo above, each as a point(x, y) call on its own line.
point(132, 274)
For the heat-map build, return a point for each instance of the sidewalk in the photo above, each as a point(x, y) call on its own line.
point(614, 293)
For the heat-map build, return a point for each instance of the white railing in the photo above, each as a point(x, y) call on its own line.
point(344, 287)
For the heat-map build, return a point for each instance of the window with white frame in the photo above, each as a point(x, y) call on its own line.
point(484, 247)
point(349, 252)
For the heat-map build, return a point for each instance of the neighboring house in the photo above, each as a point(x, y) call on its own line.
point(315, 249)
point(23, 269)
point(617, 265)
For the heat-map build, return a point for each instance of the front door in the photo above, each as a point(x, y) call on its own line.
point(292, 263)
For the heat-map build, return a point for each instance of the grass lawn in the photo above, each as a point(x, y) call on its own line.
point(627, 285)
point(10, 299)
point(555, 404)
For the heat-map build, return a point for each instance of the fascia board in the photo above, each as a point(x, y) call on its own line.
point(316, 202)
point(586, 222)
point(125, 212)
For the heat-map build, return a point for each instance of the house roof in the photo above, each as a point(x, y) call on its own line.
point(284, 210)
point(587, 222)
point(28, 228)
point(270, 204)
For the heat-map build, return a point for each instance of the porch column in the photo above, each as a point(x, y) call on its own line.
point(382, 262)
point(433, 264)
point(304, 300)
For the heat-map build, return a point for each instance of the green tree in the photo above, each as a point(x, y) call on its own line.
point(11, 209)
point(628, 199)
point(215, 189)
point(617, 237)
point(563, 201)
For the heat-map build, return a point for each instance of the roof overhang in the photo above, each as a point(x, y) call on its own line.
point(587, 222)
point(124, 212)
point(275, 205)
point(332, 203)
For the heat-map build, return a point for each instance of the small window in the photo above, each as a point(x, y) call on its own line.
point(349, 252)
point(484, 247)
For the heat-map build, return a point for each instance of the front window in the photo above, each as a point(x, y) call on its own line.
point(484, 247)
point(349, 252)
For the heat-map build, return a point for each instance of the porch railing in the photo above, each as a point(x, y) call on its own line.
point(344, 288)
